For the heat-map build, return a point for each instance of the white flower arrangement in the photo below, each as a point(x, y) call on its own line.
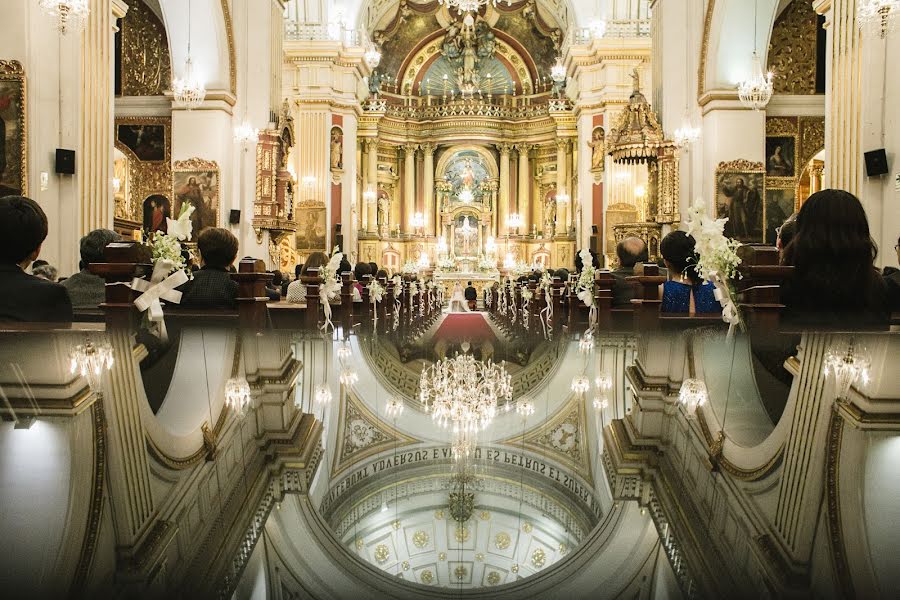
point(487, 263)
point(411, 267)
point(718, 260)
point(584, 288)
point(446, 264)
point(331, 285)
point(165, 246)
point(527, 294)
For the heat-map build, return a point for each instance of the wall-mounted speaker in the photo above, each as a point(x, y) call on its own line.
point(65, 162)
point(876, 163)
point(234, 217)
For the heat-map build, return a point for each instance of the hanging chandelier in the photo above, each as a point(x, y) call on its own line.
point(878, 15)
point(586, 343)
point(580, 385)
point(188, 91)
point(693, 394)
point(686, 135)
point(514, 221)
point(848, 365)
point(90, 360)
point(464, 393)
point(370, 197)
point(237, 394)
point(246, 134)
point(322, 394)
point(394, 407)
point(756, 91)
point(601, 402)
point(71, 15)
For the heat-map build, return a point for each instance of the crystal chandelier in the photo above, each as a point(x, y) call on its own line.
point(586, 343)
point(323, 394)
point(601, 402)
point(756, 91)
point(848, 365)
point(348, 377)
point(464, 392)
point(580, 384)
point(188, 90)
point(693, 394)
point(372, 56)
point(603, 382)
point(417, 221)
point(879, 15)
point(70, 14)
point(524, 407)
point(558, 71)
point(344, 351)
point(237, 394)
point(394, 407)
point(90, 360)
point(686, 135)
point(246, 134)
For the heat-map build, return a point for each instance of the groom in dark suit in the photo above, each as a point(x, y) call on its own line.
point(471, 296)
point(24, 297)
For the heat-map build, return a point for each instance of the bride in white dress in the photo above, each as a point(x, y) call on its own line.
point(458, 301)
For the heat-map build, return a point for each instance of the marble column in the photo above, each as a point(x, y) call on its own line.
point(432, 213)
point(409, 188)
point(364, 178)
point(503, 203)
point(372, 174)
point(522, 188)
point(562, 209)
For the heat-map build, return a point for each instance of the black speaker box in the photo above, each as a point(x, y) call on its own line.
point(234, 217)
point(876, 163)
point(65, 162)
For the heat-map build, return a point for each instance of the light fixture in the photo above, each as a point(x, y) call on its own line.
point(442, 245)
point(466, 195)
point(464, 392)
point(384, 506)
point(601, 402)
point(509, 261)
point(640, 191)
point(344, 351)
point(394, 407)
point(323, 394)
point(686, 135)
point(755, 91)
point(70, 14)
point(693, 394)
point(603, 382)
point(90, 360)
point(117, 185)
point(490, 245)
point(586, 343)
point(348, 377)
point(308, 180)
point(558, 71)
point(188, 91)
point(372, 56)
point(580, 384)
point(524, 407)
point(246, 133)
point(880, 15)
point(562, 198)
point(514, 221)
point(237, 394)
point(848, 365)
point(370, 197)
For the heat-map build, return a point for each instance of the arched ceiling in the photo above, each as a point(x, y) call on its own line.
point(211, 38)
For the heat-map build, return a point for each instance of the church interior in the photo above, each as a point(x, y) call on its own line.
point(415, 299)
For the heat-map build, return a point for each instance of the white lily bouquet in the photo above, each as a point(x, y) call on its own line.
point(331, 285)
point(398, 288)
point(411, 267)
point(446, 264)
point(376, 291)
point(584, 287)
point(487, 263)
point(527, 295)
point(718, 260)
point(546, 284)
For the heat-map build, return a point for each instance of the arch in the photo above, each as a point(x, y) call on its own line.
point(722, 65)
point(211, 38)
point(451, 151)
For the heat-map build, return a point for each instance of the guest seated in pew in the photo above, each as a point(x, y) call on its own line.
point(359, 271)
point(297, 289)
point(630, 251)
point(785, 233)
point(87, 290)
point(45, 271)
point(685, 292)
point(381, 273)
point(23, 228)
point(273, 289)
point(835, 282)
point(212, 286)
point(892, 281)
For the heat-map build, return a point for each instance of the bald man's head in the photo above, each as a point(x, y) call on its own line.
point(631, 251)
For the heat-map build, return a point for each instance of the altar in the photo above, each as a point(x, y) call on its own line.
point(481, 280)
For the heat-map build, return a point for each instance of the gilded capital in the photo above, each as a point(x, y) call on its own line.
point(562, 144)
point(504, 148)
point(524, 148)
point(427, 148)
point(410, 149)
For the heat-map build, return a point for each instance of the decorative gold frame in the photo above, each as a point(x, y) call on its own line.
point(198, 165)
point(780, 127)
point(742, 166)
point(166, 122)
point(309, 204)
point(12, 70)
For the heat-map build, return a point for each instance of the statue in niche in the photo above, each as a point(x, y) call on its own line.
point(384, 205)
point(635, 80)
point(549, 215)
point(337, 149)
point(598, 149)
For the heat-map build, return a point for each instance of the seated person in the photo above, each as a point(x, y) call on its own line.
point(273, 288)
point(23, 228)
point(359, 271)
point(892, 280)
point(212, 286)
point(471, 295)
point(685, 292)
point(87, 290)
point(297, 289)
point(631, 251)
point(45, 271)
point(785, 233)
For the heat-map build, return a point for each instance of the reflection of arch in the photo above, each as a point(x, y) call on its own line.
point(156, 209)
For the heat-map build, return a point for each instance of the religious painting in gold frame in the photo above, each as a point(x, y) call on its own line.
point(740, 190)
point(13, 129)
point(311, 226)
point(196, 182)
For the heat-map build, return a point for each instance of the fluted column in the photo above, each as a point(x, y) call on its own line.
point(409, 187)
point(372, 174)
point(432, 214)
point(503, 203)
point(522, 188)
point(363, 180)
point(562, 209)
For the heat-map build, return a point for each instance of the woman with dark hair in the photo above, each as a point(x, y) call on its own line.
point(297, 290)
point(832, 252)
point(685, 292)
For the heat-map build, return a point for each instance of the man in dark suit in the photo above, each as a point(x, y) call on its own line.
point(24, 297)
point(212, 286)
point(87, 290)
point(471, 296)
point(631, 251)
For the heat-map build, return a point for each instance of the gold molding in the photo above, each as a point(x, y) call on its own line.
point(232, 61)
point(145, 177)
point(12, 70)
point(715, 447)
point(95, 506)
point(195, 164)
point(146, 67)
point(740, 165)
point(833, 505)
point(704, 48)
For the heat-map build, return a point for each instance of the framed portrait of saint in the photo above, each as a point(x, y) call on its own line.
point(196, 182)
point(740, 187)
point(14, 157)
point(311, 226)
point(148, 141)
point(781, 156)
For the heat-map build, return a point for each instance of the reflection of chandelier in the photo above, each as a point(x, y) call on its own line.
point(237, 394)
point(246, 134)
point(693, 394)
point(848, 366)
point(880, 15)
point(686, 135)
point(70, 14)
point(464, 392)
point(90, 360)
point(394, 407)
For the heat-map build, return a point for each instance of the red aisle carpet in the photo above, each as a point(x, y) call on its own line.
point(459, 327)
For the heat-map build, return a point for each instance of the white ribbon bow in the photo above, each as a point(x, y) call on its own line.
point(161, 286)
point(730, 312)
